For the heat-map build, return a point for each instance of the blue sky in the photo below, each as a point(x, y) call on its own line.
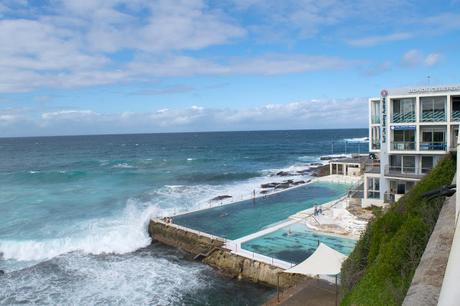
point(115, 66)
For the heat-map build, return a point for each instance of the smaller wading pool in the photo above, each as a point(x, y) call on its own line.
point(295, 243)
point(239, 219)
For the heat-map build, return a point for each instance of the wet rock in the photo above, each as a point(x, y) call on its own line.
point(316, 164)
point(283, 186)
point(283, 173)
point(298, 182)
point(268, 185)
point(265, 191)
point(303, 171)
point(2, 272)
point(221, 197)
point(288, 182)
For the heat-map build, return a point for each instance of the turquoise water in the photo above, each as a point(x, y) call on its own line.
point(74, 211)
point(246, 217)
point(295, 243)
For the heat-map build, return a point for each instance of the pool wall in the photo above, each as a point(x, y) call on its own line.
point(211, 250)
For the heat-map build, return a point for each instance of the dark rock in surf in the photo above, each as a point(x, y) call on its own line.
point(2, 272)
point(283, 173)
point(268, 185)
point(221, 197)
point(298, 182)
point(283, 186)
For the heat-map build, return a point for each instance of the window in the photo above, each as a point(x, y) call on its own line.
point(375, 112)
point(427, 163)
point(375, 138)
point(404, 140)
point(373, 187)
point(433, 109)
point(433, 139)
point(404, 110)
point(402, 164)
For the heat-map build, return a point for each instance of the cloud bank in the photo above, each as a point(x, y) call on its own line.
point(313, 114)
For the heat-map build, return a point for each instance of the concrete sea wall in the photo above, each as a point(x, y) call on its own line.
point(212, 251)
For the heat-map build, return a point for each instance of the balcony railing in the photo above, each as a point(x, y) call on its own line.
point(455, 115)
point(400, 171)
point(433, 146)
point(403, 145)
point(404, 117)
point(373, 195)
point(434, 116)
point(376, 146)
point(373, 167)
point(375, 119)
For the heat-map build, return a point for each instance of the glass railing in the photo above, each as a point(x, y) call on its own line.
point(434, 116)
point(403, 145)
point(400, 170)
point(373, 194)
point(375, 119)
point(455, 115)
point(376, 146)
point(404, 117)
point(433, 146)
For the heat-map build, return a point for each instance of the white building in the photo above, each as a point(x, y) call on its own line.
point(410, 130)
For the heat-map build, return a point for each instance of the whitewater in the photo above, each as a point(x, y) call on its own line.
point(74, 210)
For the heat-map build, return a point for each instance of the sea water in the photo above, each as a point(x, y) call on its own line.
point(74, 210)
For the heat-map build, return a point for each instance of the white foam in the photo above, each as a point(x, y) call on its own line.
point(357, 140)
point(120, 235)
point(123, 166)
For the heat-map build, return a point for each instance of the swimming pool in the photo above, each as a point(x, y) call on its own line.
point(239, 219)
point(295, 243)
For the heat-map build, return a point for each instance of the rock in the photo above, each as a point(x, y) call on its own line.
point(283, 186)
point(2, 272)
point(303, 171)
point(298, 182)
point(221, 197)
point(289, 182)
point(316, 164)
point(268, 185)
point(283, 173)
point(265, 191)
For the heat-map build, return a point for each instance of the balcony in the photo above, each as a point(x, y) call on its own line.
point(372, 167)
point(403, 172)
point(434, 116)
point(403, 145)
point(456, 115)
point(433, 146)
point(403, 117)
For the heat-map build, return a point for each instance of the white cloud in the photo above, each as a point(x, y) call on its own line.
point(415, 57)
point(324, 113)
point(379, 39)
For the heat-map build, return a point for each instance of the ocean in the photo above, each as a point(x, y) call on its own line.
point(74, 210)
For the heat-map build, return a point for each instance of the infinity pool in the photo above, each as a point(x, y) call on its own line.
point(295, 243)
point(239, 219)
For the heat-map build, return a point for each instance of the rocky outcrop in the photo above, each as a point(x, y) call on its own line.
point(255, 271)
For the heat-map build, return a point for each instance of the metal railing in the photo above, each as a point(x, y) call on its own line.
point(403, 145)
point(455, 116)
point(373, 194)
point(433, 116)
point(376, 146)
point(433, 146)
point(403, 117)
point(399, 171)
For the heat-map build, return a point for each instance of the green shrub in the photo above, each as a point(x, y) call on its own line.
point(380, 269)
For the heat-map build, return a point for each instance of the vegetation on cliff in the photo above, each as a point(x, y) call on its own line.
point(380, 269)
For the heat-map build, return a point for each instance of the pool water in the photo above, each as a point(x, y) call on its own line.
point(239, 219)
point(295, 243)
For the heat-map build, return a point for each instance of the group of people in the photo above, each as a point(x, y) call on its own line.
point(168, 220)
point(318, 210)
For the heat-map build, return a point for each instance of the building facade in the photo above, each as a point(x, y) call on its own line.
point(410, 129)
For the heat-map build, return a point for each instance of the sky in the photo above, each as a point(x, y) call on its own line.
point(116, 66)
